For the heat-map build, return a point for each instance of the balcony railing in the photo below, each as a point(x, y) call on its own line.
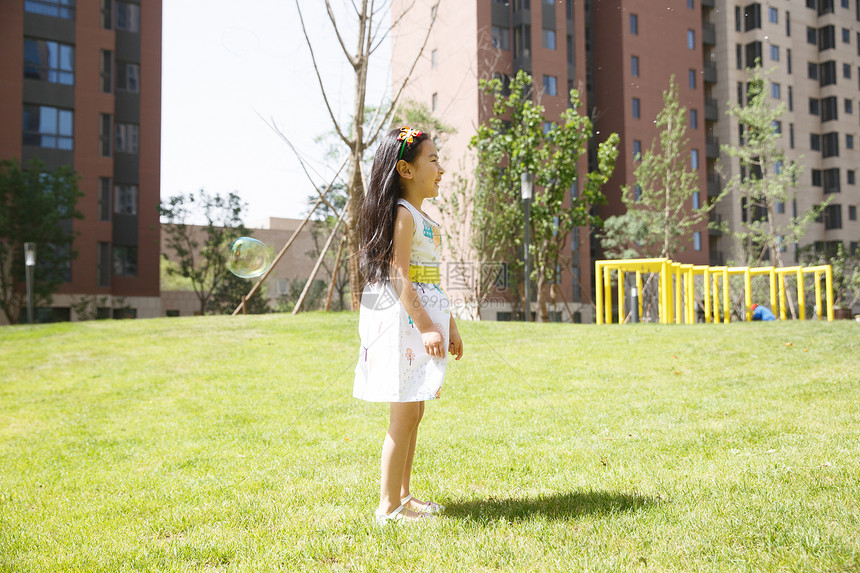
point(712, 146)
point(711, 110)
point(709, 34)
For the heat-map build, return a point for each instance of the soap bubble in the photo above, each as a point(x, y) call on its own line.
point(249, 258)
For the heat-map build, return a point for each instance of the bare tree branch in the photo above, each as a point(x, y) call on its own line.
point(390, 28)
point(286, 140)
point(337, 128)
point(434, 12)
point(354, 59)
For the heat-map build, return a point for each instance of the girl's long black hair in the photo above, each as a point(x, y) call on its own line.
point(376, 222)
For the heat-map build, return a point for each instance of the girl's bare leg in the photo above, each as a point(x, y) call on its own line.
point(407, 470)
point(401, 434)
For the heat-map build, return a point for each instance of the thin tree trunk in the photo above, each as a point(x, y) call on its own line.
point(335, 272)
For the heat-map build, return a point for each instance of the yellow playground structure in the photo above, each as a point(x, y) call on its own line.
point(676, 290)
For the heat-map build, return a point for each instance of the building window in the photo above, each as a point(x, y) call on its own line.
point(827, 73)
point(780, 207)
point(106, 71)
point(107, 14)
point(124, 261)
point(690, 4)
point(48, 127)
point(738, 19)
point(127, 138)
point(813, 106)
point(505, 80)
point(829, 109)
point(634, 24)
point(105, 131)
point(636, 110)
point(812, 70)
point(826, 38)
point(434, 56)
point(694, 119)
point(774, 53)
point(849, 106)
point(547, 127)
point(814, 142)
point(790, 99)
point(548, 39)
point(811, 36)
point(830, 144)
point(691, 39)
point(103, 264)
point(787, 23)
point(104, 198)
point(849, 141)
point(634, 66)
point(846, 36)
point(753, 54)
point(739, 56)
point(697, 241)
point(637, 150)
point(692, 79)
point(788, 60)
point(127, 17)
point(49, 61)
point(550, 85)
point(56, 8)
point(695, 200)
point(694, 158)
point(501, 38)
point(846, 71)
point(833, 217)
point(125, 199)
point(522, 41)
point(791, 135)
point(852, 212)
point(773, 15)
point(850, 177)
point(570, 51)
point(831, 180)
point(752, 17)
point(128, 77)
point(775, 90)
point(434, 102)
point(569, 10)
point(816, 178)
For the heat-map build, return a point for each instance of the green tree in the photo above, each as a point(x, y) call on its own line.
point(518, 138)
point(765, 179)
point(845, 267)
point(229, 292)
point(38, 206)
point(661, 210)
point(200, 251)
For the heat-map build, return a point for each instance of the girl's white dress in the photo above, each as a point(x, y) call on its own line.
point(392, 364)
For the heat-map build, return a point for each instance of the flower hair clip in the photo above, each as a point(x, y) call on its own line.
point(407, 135)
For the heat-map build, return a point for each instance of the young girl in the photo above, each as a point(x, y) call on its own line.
point(405, 321)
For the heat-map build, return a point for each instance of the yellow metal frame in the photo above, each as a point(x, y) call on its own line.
point(677, 278)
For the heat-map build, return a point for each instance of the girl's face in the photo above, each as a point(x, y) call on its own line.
point(423, 174)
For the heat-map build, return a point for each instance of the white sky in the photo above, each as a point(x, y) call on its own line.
point(225, 61)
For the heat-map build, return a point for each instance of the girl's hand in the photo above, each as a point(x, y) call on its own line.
point(455, 347)
point(434, 344)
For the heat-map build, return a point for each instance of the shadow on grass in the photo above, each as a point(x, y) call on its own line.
point(557, 506)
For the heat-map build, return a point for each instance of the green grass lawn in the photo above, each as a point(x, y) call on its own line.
point(219, 443)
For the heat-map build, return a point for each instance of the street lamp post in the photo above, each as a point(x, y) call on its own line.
point(527, 187)
point(30, 264)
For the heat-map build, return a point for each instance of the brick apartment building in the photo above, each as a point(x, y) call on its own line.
point(80, 85)
point(620, 55)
